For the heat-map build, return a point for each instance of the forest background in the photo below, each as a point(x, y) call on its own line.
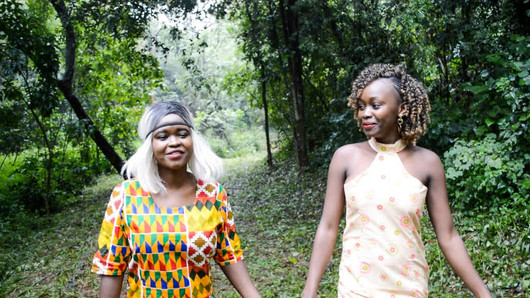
point(267, 82)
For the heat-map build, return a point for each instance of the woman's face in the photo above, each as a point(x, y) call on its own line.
point(378, 110)
point(172, 145)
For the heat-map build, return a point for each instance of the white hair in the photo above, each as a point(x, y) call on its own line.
point(142, 166)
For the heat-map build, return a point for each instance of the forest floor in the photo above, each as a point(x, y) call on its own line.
point(276, 213)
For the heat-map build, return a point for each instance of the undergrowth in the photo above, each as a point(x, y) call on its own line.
point(277, 213)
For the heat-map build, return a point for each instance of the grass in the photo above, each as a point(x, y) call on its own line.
point(276, 213)
point(51, 256)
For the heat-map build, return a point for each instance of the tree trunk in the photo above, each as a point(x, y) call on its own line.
point(521, 8)
point(266, 112)
point(112, 156)
point(289, 17)
point(66, 87)
point(48, 157)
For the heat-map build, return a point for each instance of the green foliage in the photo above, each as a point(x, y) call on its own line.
point(336, 39)
point(446, 44)
point(117, 82)
point(25, 179)
point(493, 170)
point(502, 94)
point(276, 213)
point(485, 173)
point(12, 122)
point(51, 256)
point(114, 77)
point(342, 129)
point(29, 54)
point(198, 72)
point(238, 144)
point(499, 246)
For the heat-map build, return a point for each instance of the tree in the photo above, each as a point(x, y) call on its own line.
point(66, 85)
point(291, 31)
point(38, 37)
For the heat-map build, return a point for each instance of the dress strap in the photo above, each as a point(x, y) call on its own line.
point(386, 148)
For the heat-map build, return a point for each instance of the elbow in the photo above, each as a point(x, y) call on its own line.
point(327, 227)
point(446, 239)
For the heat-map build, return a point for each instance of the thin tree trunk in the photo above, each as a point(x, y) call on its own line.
point(275, 40)
point(289, 17)
point(66, 87)
point(3, 161)
point(49, 160)
point(49, 156)
point(266, 112)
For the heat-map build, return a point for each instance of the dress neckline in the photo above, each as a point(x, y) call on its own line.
point(198, 183)
point(386, 148)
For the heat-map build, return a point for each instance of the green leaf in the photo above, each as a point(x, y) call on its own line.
point(477, 89)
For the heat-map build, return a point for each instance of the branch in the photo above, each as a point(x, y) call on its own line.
point(65, 84)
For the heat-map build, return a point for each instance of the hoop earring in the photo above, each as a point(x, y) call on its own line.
point(400, 122)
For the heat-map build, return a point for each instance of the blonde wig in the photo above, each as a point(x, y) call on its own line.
point(142, 166)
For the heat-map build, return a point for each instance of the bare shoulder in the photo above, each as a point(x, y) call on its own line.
point(351, 159)
point(427, 158)
point(425, 154)
point(350, 151)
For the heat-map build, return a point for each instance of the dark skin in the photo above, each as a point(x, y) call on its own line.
point(379, 108)
point(173, 149)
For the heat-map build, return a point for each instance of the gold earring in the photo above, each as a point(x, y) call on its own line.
point(400, 121)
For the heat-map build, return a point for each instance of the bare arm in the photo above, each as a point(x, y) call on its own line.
point(110, 286)
point(326, 234)
point(449, 240)
point(239, 278)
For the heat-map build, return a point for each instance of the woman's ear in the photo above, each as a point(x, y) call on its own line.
point(403, 109)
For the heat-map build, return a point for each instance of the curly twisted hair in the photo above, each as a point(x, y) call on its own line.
point(411, 93)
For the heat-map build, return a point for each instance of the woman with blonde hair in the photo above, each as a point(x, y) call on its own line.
point(171, 217)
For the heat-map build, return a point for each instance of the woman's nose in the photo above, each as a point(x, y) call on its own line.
point(174, 140)
point(366, 113)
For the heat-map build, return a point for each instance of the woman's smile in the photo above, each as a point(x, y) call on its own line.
point(378, 109)
point(368, 125)
point(175, 154)
point(172, 144)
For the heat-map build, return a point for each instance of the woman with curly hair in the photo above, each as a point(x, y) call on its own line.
point(383, 183)
point(167, 222)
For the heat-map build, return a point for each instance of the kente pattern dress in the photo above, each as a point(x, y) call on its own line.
point(382, 250)
point(166, 250)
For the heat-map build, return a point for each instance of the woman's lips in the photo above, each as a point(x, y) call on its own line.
point(368, 125)
point(175, 154)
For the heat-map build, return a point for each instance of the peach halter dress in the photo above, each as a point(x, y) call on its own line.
point(382, 251)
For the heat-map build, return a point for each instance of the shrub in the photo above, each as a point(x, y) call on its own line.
point(484, 173)
point(238, 144)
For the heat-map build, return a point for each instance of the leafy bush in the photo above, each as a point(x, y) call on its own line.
point(484, 173)
point(26, 188)
point(498, 242)
point(493, 170)
point(238, 144)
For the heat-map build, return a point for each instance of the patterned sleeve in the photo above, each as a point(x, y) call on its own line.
point(113, 252)
point(228, 244)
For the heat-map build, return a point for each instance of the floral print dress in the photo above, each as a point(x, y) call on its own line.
point(382, 250)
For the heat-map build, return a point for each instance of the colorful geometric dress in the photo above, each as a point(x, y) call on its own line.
point(382, 251)
point(166, 250)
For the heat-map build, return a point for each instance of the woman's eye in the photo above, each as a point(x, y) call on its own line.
point(361, 108)
point(376, 106)
point(161, 136)
point(183, 135)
